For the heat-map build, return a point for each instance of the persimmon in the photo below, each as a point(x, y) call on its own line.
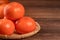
point(7, 27)
point(25, 25)
point(14, 11)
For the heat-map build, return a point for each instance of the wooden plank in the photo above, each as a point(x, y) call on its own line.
point(37, 12)
point(50, 26)
point(41, 36)
point(44, 36)
point(39, 3)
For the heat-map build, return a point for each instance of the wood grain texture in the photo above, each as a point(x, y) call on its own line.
point(44, 36)
point(39, 3)
point(49, 25)
point(37, 12)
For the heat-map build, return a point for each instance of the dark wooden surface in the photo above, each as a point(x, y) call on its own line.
point(39, 3)
point(41, 12)
point(49, 25)
point(44, 36)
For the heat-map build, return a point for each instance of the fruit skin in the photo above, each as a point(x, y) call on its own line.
point(25, 25)
point(14, 11)
point(7, 27)
point(2, 10)
point(3, 2)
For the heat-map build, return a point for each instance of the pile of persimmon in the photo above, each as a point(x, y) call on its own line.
point(12, 19)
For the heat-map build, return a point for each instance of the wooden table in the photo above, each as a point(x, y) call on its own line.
point(44, 36)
